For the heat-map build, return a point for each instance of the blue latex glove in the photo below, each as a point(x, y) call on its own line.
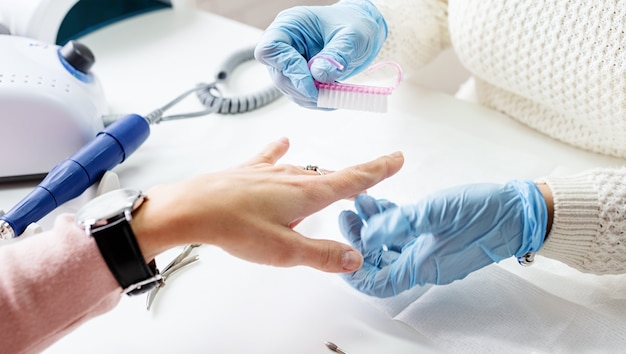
point(443, 237)
point(351, 32)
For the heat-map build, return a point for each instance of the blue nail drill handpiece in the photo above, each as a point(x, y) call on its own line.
point(73, 176)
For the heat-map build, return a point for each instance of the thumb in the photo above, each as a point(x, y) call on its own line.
point(347, 53)
point(342, 57)
point(328, 256)
point(325, 68)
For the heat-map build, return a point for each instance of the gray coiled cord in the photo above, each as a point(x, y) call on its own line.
point(211, 97)
point(214, 101)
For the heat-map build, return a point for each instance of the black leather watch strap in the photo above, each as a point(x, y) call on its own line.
point(120, 250)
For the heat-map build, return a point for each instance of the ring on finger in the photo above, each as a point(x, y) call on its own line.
point(314, 168)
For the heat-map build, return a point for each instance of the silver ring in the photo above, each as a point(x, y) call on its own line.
point(314, 168)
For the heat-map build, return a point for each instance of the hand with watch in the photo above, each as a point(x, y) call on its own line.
point(107, 219)
point(249, 211)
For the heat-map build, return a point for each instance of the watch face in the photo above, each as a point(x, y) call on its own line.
point(108, 205)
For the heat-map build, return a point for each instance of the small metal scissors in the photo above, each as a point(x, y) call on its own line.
point(182, 260)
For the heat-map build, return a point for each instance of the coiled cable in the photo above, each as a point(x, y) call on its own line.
point(211, 96)
point(239, 104)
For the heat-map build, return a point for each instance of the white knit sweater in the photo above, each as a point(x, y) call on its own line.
point(558, 66)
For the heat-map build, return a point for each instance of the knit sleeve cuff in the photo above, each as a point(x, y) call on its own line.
point(576, 220)
point(417, 32)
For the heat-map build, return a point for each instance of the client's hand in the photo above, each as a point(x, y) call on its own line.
point(351, 32)
point(250, 210)
point(443, 237)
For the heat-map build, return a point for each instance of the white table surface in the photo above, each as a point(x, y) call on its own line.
point(226, 305)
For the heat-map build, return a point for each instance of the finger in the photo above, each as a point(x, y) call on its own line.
point(368, 206)
point(274, 43)
point(288, 68)
point(390, 230)
point(350, 225)
point(270, 153)
point(324, 68)
point(297, 86)
point(372, 281)
point(275, 50)
point(353, 180)
point(288, 34)
point(325, 255)
point(353, 58)
point(381, 256)
point(393, 279)
point(388, 257)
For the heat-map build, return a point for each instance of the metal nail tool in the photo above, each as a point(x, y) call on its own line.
point(332, 346)
point(182, 260)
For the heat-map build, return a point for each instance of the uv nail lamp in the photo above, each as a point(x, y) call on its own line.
point(58, 21)
point(51, 104)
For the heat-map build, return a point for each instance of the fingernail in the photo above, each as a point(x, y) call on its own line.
point(351, 260)
point(397, 154)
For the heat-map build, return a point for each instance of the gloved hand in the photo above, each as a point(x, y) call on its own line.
point(443, 237)
point(351, 32)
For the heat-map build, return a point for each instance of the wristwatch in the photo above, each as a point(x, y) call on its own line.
point(107, 219)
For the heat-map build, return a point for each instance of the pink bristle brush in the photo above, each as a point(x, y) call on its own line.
point(352, 96)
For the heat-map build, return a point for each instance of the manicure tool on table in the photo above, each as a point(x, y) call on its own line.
point(332, 346)
point(183, 259)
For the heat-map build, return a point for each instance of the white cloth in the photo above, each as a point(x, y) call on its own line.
point(496, 311)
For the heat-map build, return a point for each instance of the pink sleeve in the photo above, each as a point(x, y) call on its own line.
point(50, 284)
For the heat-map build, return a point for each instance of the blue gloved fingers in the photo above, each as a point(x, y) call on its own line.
point(381, 257)
point(371, 280)
point(350, 32)
point(285, 48)
point(388, 257)
point(447, 235)
point(351, 49)
point(367, 206)
point(297, 27)
point(389, 229)
point(402, 274)
point(350, 225)
point(353, 44)
point(298, 88)
point(288, 69)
